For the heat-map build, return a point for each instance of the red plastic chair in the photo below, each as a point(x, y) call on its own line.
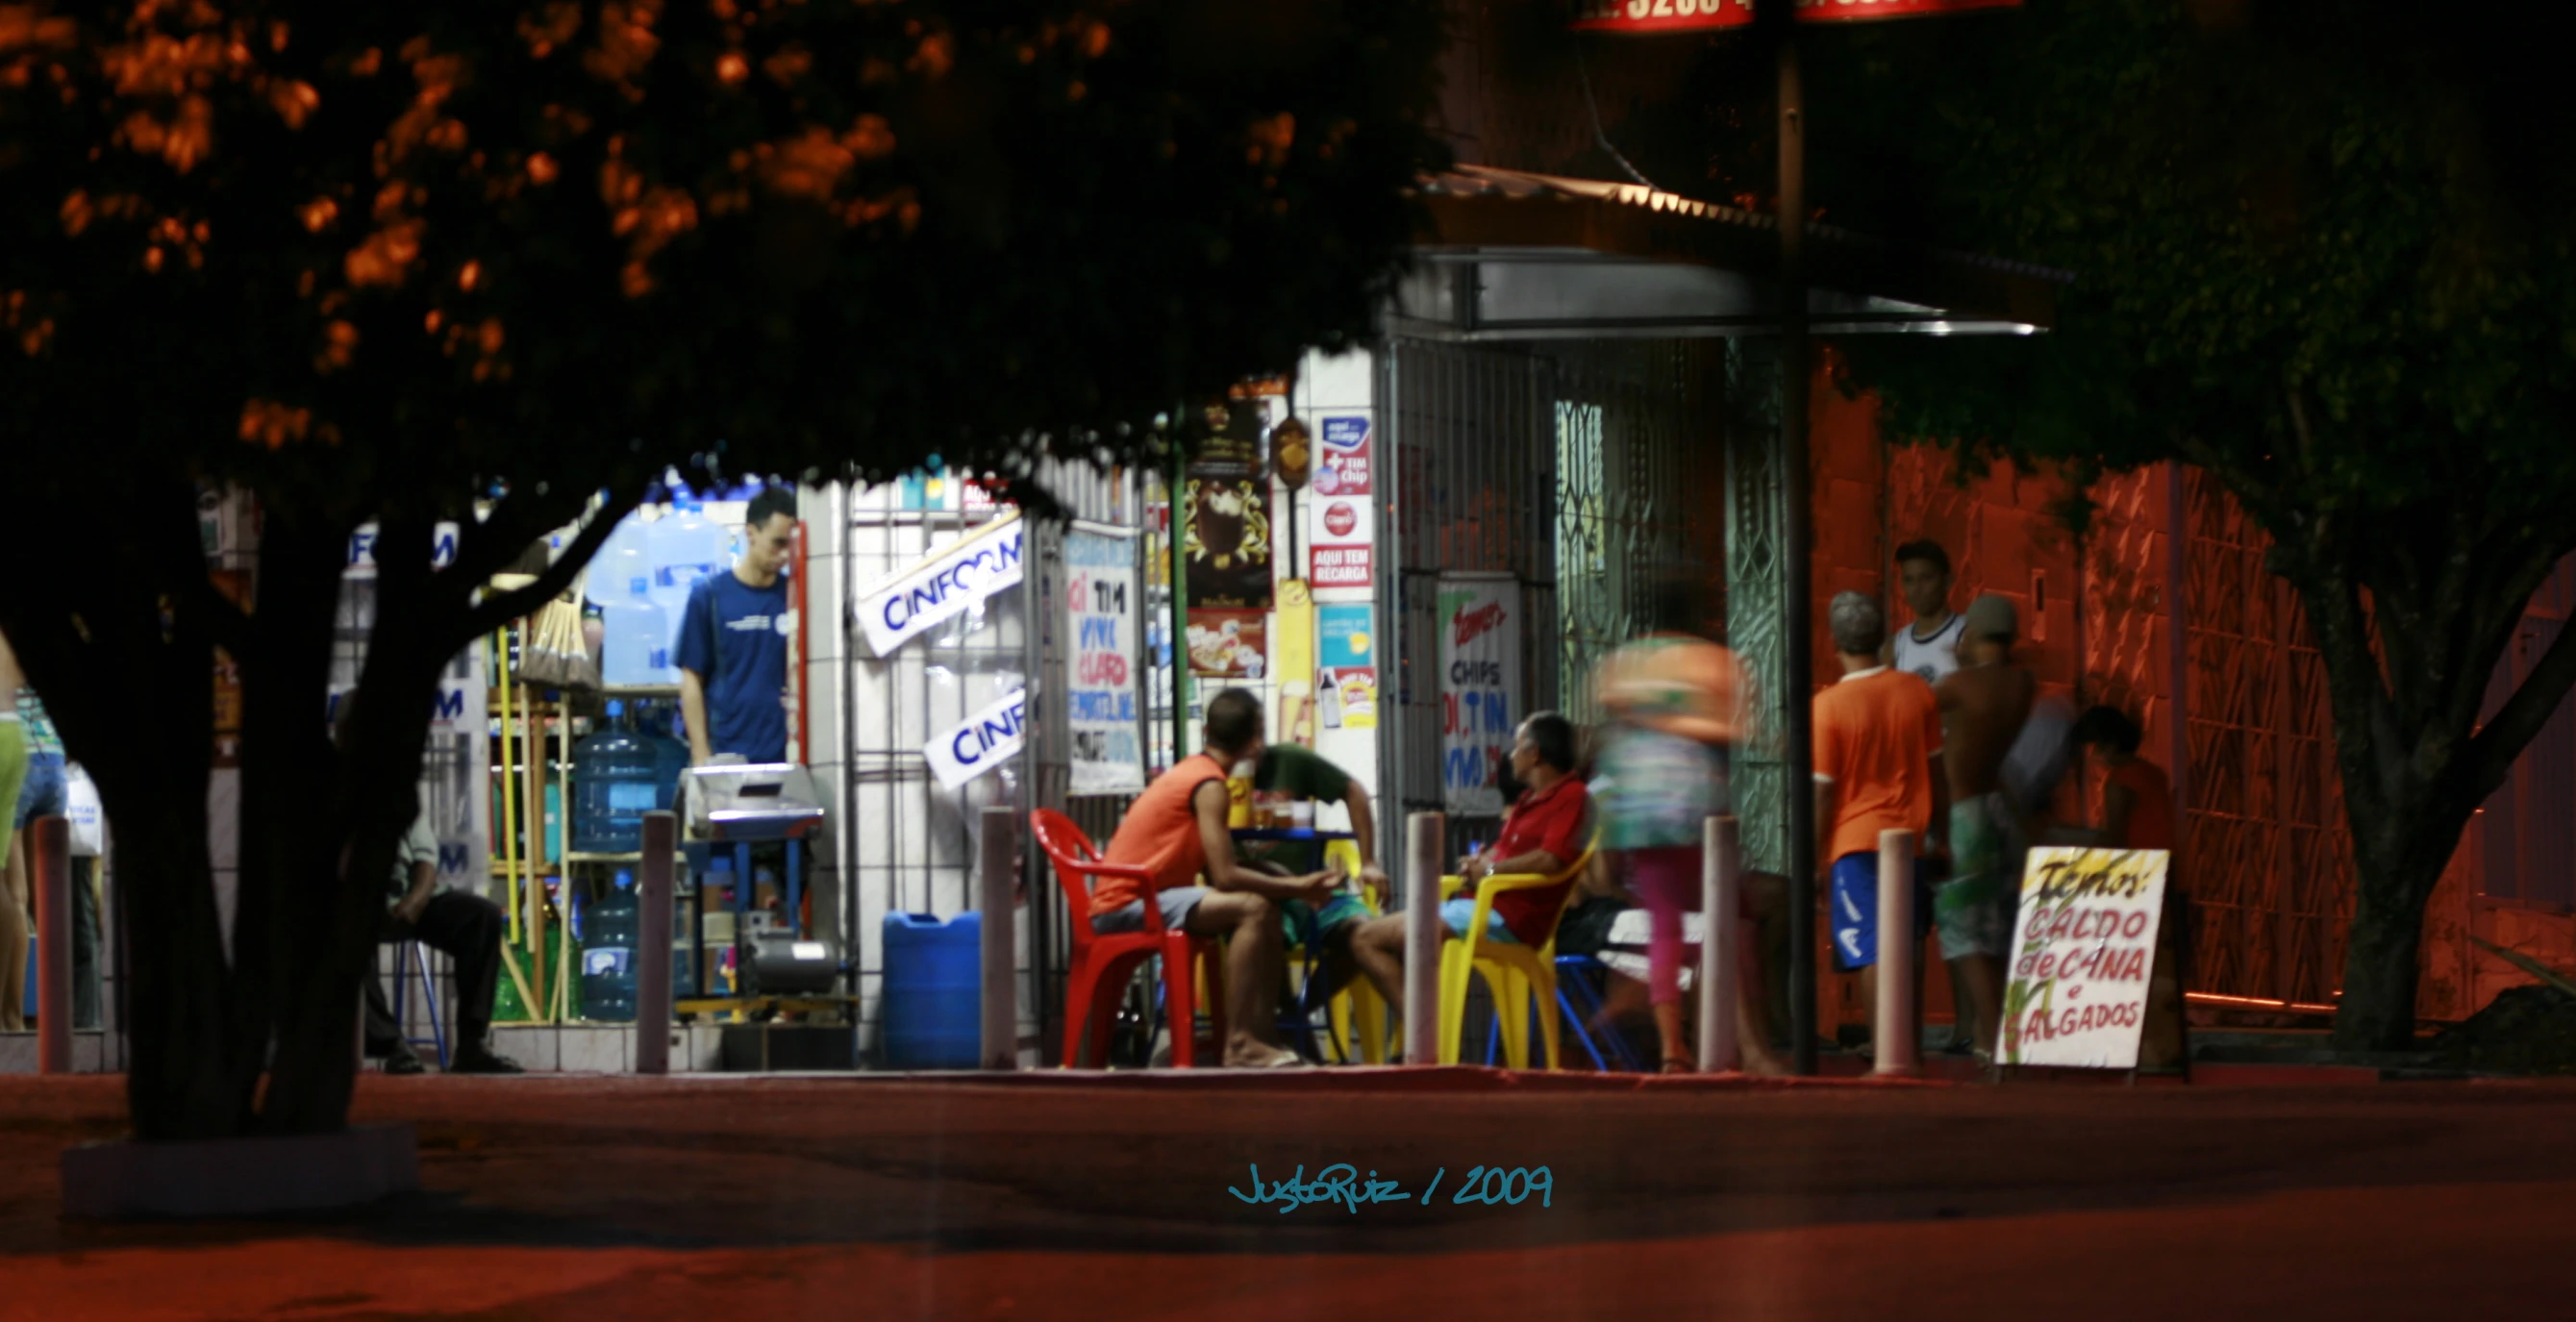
point(1103, 964)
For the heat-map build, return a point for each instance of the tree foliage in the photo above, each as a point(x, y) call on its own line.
point(481, 260)
point(2324, 253)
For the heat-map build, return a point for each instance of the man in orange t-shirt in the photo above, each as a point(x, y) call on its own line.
point(1177, 831)
point(1878, 768)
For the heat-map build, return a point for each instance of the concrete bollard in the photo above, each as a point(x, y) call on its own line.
point(1898, 1045)
point(49, 846)
point(654, 898)
point(1721, 900)
point(1425, 837)
point(999, 892)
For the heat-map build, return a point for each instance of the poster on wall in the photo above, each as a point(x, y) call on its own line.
point(1341, 536)
point(1342, 467)
point(2084, 945)
point(1226, 538)
point(1102, 603)
point(1480, 689)
point(1346, 665)
point(1228, 644)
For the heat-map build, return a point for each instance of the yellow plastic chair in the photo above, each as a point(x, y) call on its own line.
point(1512, 972)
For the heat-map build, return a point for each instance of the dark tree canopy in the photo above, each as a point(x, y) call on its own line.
point(381, 262)
point(2323, 251)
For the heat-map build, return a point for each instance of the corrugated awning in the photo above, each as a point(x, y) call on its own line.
point(1512, 255)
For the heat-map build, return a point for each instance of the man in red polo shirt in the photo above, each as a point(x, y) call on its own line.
point(1543, 833)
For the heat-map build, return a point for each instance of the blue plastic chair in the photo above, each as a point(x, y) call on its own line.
point(414, 955)
point(1580, 977)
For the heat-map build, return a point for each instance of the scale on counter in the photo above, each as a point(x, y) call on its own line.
point(741, 805)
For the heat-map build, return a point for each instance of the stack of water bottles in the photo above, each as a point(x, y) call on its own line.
point(641, 581)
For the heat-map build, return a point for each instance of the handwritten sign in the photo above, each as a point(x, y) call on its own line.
point(943, 586)
point(1480, 688)
point(981, 742)
point(1100, 696)
point(2084, 943)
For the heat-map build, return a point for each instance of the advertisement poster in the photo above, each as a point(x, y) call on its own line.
point(1227, 539)
point(952, 579)
point(2084, 944)
point(1342, 468)
point(1101, 603)
point(981, 742)
point(1229, 644)
point(1340, 542)
point(1346, 665)
point(1480, 689)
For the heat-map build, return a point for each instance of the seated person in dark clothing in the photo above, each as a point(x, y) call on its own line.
point(467, 928)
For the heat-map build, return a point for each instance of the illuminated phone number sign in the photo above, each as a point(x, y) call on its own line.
point(1691, 15)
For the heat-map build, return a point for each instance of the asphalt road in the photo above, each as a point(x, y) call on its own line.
point(716, 1199)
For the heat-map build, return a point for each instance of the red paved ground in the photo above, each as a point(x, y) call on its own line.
point(730, 1200)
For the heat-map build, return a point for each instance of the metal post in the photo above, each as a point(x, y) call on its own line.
point(1797, 644)
point(1899, 1048)
point(49, 843)
point(998, 901)
point(653, 899)
point(1721, 888)
point(1176, 503)
point(1424, 835)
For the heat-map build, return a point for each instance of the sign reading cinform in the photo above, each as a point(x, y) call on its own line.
point(981, 742)
point(944, 585)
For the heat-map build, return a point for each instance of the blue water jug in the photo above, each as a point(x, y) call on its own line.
point(635, 641)
point(933, 991)
point(616, 779)
point(621, 562)
point(608, 954)
point(684, 547)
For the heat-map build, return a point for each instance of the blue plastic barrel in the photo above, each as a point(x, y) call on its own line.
point(934, 1001)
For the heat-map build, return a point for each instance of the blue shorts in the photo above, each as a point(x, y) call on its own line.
point(42, 795)
point(1460, 912)
point(1856, 909)
point(1177, 904)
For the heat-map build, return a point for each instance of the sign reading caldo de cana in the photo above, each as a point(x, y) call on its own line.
point(943, 586)
point(2084, 945)
point(981, 742)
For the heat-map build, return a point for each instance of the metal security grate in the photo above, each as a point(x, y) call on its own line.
point(1581, 470)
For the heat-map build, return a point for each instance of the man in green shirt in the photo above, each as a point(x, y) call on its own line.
point(1302, 773)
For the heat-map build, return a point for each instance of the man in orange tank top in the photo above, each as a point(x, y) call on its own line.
point(1177, 831)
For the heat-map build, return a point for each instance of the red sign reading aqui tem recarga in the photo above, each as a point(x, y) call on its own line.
point(1690, 15)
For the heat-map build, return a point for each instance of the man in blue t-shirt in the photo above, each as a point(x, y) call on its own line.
point(733, 644)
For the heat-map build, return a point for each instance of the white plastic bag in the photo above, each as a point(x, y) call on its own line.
point(81, 806)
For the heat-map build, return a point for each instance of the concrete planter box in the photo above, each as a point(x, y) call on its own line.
point(240, 1176)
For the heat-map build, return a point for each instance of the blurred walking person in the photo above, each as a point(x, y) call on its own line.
point(1676, 704)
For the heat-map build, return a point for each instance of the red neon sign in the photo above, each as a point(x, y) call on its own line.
point(1700, 15)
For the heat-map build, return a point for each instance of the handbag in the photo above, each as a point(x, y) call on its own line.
point(551, 651)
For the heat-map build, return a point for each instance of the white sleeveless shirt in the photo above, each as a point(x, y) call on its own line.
point(1930, 659)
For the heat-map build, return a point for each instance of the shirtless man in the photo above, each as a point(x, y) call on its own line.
point(1983, 705)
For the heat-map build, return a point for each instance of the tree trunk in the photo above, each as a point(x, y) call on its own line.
point(2377, 1012)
